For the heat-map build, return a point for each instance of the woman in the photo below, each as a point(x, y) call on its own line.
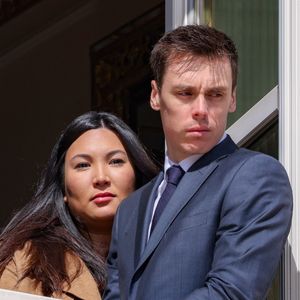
point(56, 245)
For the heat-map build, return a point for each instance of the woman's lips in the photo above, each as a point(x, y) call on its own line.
point(101, 198)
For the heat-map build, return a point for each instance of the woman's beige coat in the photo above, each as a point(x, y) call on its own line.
point(83, 287)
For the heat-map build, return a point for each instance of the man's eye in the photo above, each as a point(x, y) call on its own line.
point(184, 93)
point(215, 94)
point(82, 165)
point(117, 161)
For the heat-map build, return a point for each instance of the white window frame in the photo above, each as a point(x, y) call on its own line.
point(182, 12)
point(289, 133)
point(255, 119)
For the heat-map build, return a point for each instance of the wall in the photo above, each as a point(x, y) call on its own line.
point(45, 82)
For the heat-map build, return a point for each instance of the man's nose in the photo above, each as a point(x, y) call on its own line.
point(199, 108)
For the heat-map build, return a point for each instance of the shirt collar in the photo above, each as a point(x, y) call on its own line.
point(187, 162)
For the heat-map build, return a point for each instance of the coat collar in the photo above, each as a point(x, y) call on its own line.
point(144, 215)
point(221, 150)
point(83, 286)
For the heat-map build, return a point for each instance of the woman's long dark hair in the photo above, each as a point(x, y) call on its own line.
point(46, 220)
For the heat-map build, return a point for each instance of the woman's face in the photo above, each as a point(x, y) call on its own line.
point(98, 176)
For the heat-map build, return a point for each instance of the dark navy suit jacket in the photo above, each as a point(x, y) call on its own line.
point(220, 237)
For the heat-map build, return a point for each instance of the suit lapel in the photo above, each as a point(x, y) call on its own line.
point(144, 216)
point(188, 186)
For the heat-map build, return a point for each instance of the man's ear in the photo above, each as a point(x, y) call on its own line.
point(154, 97)
point(232, 105)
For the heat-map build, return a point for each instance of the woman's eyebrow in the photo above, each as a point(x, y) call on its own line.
point(81, 155)
point(117, 151)
point(108, 154)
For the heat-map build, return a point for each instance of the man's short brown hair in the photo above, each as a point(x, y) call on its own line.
point(192, 41)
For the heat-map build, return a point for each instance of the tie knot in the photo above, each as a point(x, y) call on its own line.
point(174, 173)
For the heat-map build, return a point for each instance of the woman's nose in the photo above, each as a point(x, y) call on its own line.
point(100, 177)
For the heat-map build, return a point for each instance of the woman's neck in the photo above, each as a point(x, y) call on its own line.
point(100, 242)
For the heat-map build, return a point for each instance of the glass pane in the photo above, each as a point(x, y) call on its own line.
point(267, 142)
point(274, 293)
point(253, 25)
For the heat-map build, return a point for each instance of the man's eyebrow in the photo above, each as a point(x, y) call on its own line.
point(217, 88)
point(190, 87)
point(182, 87)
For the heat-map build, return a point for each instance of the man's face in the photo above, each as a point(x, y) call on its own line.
point(194, 101)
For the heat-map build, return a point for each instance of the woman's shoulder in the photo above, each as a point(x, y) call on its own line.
point(19, 260)
point(24, 251)
point(14, 271)
point(83, 284)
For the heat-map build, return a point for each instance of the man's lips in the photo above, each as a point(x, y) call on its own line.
point(199, 129)
point(103, 197)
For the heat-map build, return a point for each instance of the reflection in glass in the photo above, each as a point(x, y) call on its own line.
point(253, 25)
point(266, 141)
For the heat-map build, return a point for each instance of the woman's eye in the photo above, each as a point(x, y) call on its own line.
point(117, 161)
point(82, 165)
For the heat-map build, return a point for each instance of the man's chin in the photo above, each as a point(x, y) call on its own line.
point(192, 149)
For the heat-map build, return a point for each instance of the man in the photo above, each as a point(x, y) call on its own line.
point(221, 233)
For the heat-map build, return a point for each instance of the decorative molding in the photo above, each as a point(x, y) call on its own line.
point(289, 137)
point(11, 8)
point(120, 61)
point(44, 35)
